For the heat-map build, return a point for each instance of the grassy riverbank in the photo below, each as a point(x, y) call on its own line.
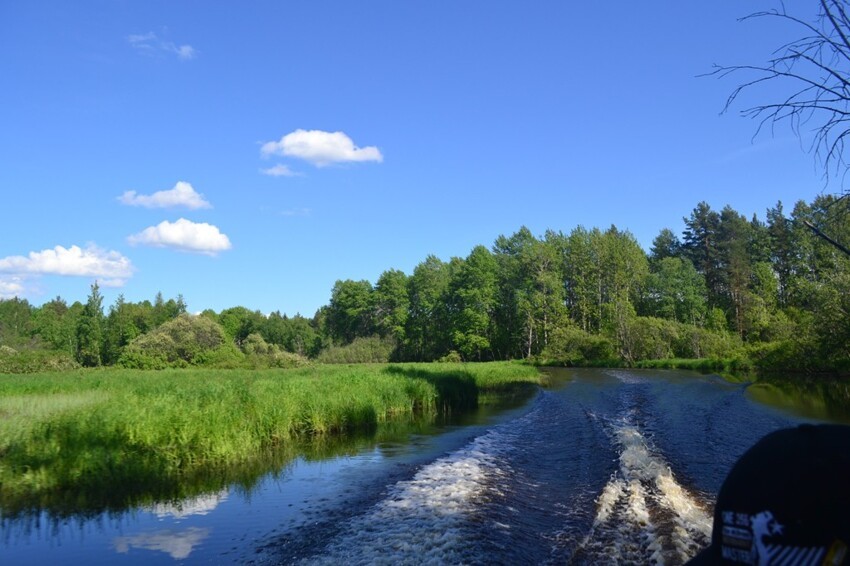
point(90, 431)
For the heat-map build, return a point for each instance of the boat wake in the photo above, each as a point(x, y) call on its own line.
point(643, 514)
point(425, 519)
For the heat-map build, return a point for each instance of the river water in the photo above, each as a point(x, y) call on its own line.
point(605, 466)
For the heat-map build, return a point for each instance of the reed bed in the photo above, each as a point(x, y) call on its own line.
point(90, 431)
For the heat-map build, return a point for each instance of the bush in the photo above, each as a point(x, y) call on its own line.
point(651, 338)
point(452, 357)
point(572, 346)
point(34, 361)
point(183, 341)
point(695, 342)
point(361, 351)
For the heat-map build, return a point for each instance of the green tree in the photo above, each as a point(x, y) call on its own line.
point(296, 335)
point(349, 313)
point(16, 322)
point(391, 305)
point(676, 291)
point(666, 244)
point(120, 330)
point(700, 247)
point(473, 293)
point(239, 322)
point(56, 324)
point(90, 330)
point(735, 269)
point(784, 251)
point(582, 272)
point(540, 295)
point(427, 322)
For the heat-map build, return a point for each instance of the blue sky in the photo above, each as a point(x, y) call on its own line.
point(137, 138)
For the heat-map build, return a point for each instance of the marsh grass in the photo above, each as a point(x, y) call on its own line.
point(106, 439)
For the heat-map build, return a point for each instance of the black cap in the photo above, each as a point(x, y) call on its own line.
point(786, 501)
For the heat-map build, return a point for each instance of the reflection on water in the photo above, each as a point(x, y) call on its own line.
point(200, 505)
point(177, 544)
point(821, 399)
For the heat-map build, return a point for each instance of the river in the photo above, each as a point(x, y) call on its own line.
point(604, 466)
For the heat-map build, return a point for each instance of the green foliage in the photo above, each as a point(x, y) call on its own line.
point(239, 322)
point(391, 304)
point(453, 357)
point(573, 346)
point(731, 287)
point(350, 312)
point(428, 325)
point(261, 354)
point(90, 330)
point(676, 291)
point(16, 322)
point(32, 361)
point(365, 350)
point(296, 335)
point(183, 341)
point(473, 290)
point(56, 325)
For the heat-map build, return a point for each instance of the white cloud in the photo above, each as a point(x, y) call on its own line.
point(151, 43)
point(11, 287)
point(184, 52)
point(181, 195)
point(320, 148)
point(89, 262)
point(183, 235)
point(280, 171)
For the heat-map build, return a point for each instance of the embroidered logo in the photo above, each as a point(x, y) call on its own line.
point(758, 539)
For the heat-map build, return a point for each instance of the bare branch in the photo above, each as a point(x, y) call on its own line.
point(817, 68)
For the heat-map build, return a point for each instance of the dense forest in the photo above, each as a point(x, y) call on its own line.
point(767, 294)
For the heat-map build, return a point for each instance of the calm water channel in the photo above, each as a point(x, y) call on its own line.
point(604, 466)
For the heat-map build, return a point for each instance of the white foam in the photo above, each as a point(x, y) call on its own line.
point(611, 494)
point(419, 520)
point(624, 518)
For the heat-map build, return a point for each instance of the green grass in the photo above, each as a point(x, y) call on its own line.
point(92, 434)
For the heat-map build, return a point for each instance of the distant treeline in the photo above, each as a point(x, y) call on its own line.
point(768, 294)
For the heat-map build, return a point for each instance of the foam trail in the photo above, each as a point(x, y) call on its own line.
point(611, 493)
point(642, 492)
point(420, 520)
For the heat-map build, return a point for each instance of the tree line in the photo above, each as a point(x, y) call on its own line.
point(770, 292)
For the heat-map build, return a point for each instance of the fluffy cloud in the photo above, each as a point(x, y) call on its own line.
point(320, 148)
point(181, 195)
point(279, 171)
point(151, 43)
point(183, 235)
point(109, 266)
point(11, 287)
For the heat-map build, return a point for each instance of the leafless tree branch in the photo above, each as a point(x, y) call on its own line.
point(816, 69)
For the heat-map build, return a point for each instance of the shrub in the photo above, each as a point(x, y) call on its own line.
point(572, 346)
point(34, 361)
point(452, 357)
point(185, 340)
point(361, 351)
